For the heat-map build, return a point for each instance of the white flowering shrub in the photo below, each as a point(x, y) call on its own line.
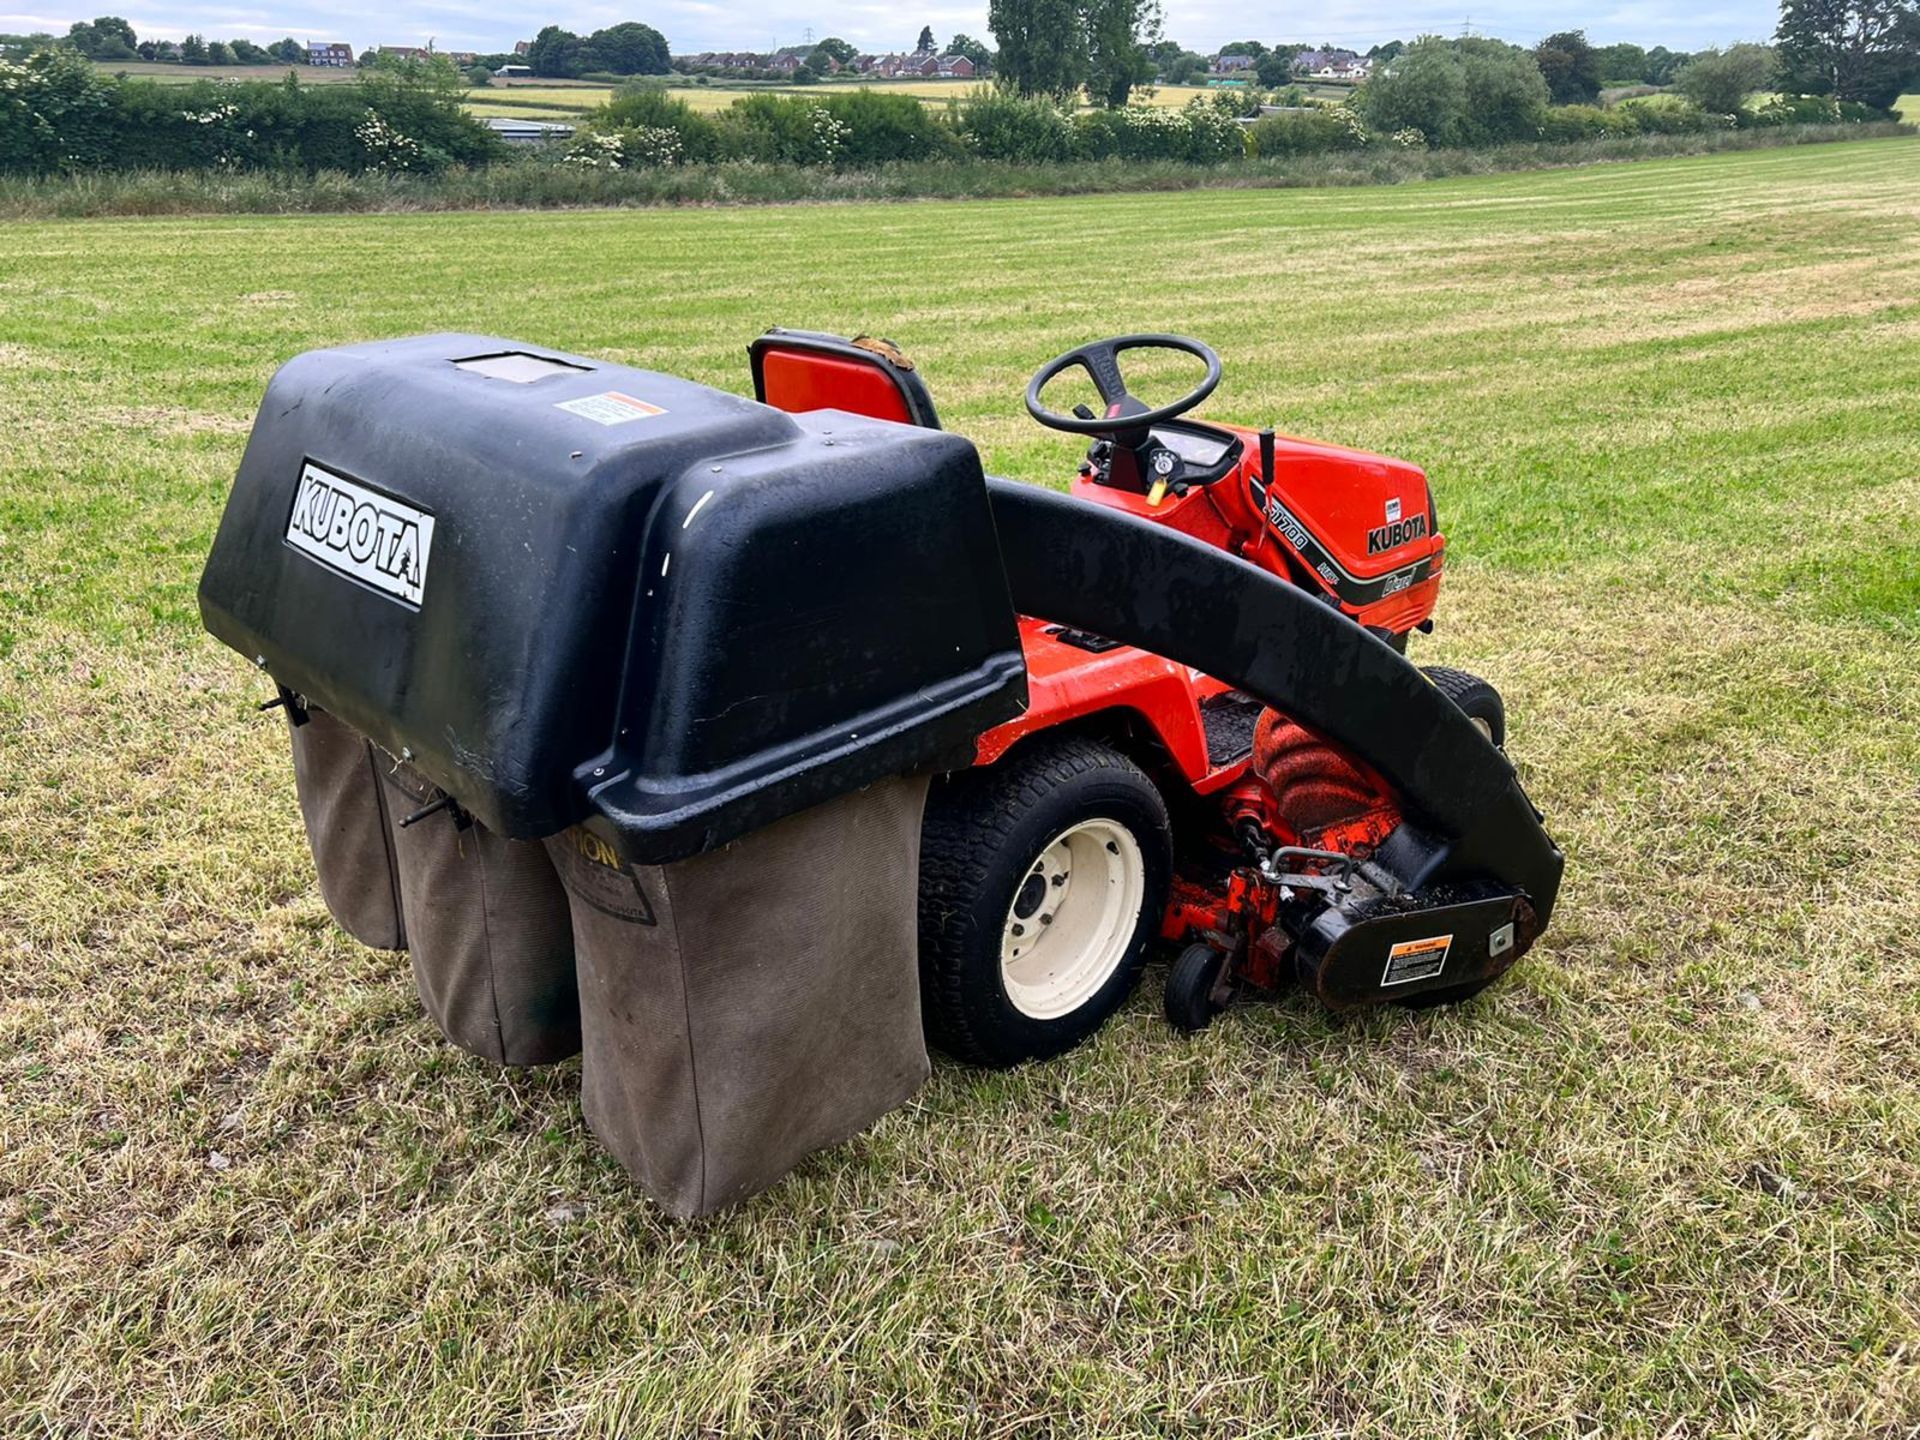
point(652, 147)
point(56, 113)
point(591, 150)
point(1215, 135)
point(828, 137)
point(385, 147)
point(1201, 134)
point(223, 132)
point(1411, 137)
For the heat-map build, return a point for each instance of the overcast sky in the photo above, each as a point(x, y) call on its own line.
point(692, 25)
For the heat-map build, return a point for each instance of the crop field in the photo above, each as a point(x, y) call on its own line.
point(540, 101)
point(187, 74)
point(1664, 1180)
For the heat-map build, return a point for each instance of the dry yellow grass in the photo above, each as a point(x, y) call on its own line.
point(1661, 1182)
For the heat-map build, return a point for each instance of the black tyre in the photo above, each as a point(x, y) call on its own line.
point(1190, 986)
point(1042, 881)
point(1479, 700)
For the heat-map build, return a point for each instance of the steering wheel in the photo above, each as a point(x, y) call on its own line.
point(1101, 360)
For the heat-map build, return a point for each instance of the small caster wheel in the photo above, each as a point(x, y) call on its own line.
point(1191, 987)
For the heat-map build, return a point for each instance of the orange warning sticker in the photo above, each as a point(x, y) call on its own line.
point(610, 407)
point(1412, 960)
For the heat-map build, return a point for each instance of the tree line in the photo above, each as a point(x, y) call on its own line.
point(1864, 52)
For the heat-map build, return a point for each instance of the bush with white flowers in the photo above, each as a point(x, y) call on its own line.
point(386, 148)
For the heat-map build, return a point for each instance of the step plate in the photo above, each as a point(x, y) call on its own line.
point(1229, 719)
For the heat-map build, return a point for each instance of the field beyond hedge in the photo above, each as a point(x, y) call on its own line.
point(1663, 1181)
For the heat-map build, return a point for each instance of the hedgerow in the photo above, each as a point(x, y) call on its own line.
point(59, 114)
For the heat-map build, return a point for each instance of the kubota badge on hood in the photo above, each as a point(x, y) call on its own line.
point(360, 532)
point(1394, 534)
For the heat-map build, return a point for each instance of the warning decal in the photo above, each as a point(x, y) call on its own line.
point(610, 407)
point(1416, 960)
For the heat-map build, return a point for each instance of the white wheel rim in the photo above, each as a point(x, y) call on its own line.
point(1072, 919)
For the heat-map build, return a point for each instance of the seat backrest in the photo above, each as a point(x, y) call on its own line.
point(802, 370)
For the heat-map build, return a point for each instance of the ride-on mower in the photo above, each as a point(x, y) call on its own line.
point(743, 746)
point(1141, 798)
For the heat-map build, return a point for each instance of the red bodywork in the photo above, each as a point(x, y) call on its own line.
point(1356, 527)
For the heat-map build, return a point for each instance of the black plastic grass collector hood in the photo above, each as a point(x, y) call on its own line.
point(566, 588)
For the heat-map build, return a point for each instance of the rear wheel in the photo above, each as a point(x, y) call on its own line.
point(1479, 701)
point(1042, 880)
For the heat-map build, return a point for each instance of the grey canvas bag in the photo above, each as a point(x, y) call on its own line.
point(336, 772)
point(487, 927)
point(746, 1007)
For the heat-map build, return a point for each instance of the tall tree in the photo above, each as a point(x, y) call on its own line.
point(1622, 65)
point(629, 48)
point(1863, 50)
point(1719, 81)
point(1664, 65)
point(106, 38)
point(1120, 37)
point(927, 43)
point(1572, 67)
point(972, 49)
point(1275, 68)
point(556, 53)
point(1043, 46)
point(835, 49)
point(1470, 91)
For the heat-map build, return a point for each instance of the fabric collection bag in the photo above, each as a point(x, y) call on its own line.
point(488, 929)
point(748, 1006)
point(336, 772)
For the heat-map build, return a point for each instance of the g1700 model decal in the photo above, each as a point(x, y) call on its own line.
point(1395, 534)
point(375, 538)
point(1351, 588)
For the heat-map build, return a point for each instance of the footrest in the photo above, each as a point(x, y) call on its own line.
point(1229, 719)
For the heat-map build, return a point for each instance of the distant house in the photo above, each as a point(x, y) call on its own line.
point(954, 67)
point(906, 67)
point(1230, 64)
point(335, 56)
point(1331, 65)
point(463, 57)
point(521, 47)
point(406, 52)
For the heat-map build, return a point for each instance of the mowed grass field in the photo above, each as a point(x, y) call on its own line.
point(1662, 1181)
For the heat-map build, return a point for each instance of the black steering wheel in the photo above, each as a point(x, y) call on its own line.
point(1101, 360)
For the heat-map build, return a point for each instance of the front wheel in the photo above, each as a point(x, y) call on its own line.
point(1042, 880)
point(1477, 699)
point(1193, 988)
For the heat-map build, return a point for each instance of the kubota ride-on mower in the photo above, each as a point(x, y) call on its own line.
point(1362, 835)
point(742, 746)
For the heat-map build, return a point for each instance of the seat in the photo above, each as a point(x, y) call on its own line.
point(802, 370)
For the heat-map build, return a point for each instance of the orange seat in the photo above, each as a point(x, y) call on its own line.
point(802, 370)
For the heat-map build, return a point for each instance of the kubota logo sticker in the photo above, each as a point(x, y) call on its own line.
point(1395, 534)
point(360, 532)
